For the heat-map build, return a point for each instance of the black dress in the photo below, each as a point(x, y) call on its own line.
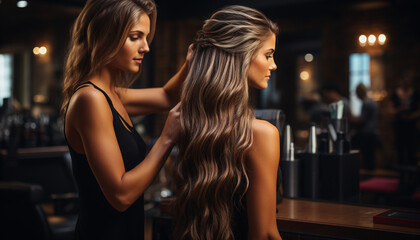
point(97, 218)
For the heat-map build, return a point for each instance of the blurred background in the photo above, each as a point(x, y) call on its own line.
point(322, 45)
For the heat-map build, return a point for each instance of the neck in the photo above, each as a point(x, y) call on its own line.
point(105, 78)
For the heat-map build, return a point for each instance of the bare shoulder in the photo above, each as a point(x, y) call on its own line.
point(265, 144)
point(87, 95)
point(262, 129)
point(87, 103)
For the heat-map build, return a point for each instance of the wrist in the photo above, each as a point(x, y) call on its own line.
point(184, 68)
point(166, 141)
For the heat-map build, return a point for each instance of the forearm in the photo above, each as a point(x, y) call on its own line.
point(173, 87)
point(135, 182)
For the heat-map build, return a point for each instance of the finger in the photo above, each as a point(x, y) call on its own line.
point(190, 51)
point(177, 107)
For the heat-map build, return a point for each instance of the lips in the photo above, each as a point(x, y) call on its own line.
point(138, 60)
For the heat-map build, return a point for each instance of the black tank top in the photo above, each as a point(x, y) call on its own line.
point(97, 218)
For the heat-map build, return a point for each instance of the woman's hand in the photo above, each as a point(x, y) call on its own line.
point(172, 129)
point(189, 54)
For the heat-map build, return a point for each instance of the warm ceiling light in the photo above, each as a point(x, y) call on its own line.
point(371, 39)
point(22, 4)
point(304, 75)
point(381, 39)
point(309, 57)
point(36, 50)
point(42, 50)
point(362, 40)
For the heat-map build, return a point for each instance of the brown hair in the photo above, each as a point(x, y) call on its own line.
point(98, 34)
point(216, 123)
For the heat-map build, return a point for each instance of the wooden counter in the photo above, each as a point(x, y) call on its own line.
point(335, 220)
point(38, 151)
point(49, 167)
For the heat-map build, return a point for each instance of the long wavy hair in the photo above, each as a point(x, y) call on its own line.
point(216, 121)
point(98, 34)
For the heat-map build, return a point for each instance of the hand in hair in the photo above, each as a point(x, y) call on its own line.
point(189, 54)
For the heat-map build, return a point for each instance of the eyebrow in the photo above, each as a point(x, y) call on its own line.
point(271, 50)
point(137, 31)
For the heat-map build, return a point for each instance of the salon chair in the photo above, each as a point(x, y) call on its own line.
point(273, 116)
point(22, 216)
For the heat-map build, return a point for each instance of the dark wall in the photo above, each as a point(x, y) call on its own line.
point(328, 29)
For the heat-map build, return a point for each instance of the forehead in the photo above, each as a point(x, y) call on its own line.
point(143, 24)
point(269, 43)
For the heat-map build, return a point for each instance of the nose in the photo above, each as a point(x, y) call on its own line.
point(272, 66)
point(144, 47)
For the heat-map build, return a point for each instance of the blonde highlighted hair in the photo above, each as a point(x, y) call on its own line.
point(216, 122)
point(98, 34)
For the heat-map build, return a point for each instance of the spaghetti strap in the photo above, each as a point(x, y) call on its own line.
point(82, 85)
point(108, 99)
point(109, 102)
point(79, 87)
point(103, 92)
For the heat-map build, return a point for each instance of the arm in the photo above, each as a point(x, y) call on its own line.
point(262, 163)
point(90, 119)
point(394, 105)
point(152, 100)
point(416, 113)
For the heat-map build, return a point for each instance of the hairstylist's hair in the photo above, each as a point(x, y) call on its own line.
point(216, 123)
point(98, 34)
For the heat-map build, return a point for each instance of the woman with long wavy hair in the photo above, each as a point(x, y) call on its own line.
point(111, 164)
point(226, 170)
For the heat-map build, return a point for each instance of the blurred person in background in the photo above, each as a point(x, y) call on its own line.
point(405, 107)
point(366, 137)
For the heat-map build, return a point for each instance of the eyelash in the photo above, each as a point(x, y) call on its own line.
point(268, 56)
point(133, 38)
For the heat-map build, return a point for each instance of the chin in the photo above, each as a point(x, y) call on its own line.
point(259, 87)
point(133, 71)
point(262, 86)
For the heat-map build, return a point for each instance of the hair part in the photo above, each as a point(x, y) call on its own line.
point(98, 34)
point(216, 122)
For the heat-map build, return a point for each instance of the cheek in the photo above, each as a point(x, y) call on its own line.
point(258, 68)
point(125, 52)
point(128, 49)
